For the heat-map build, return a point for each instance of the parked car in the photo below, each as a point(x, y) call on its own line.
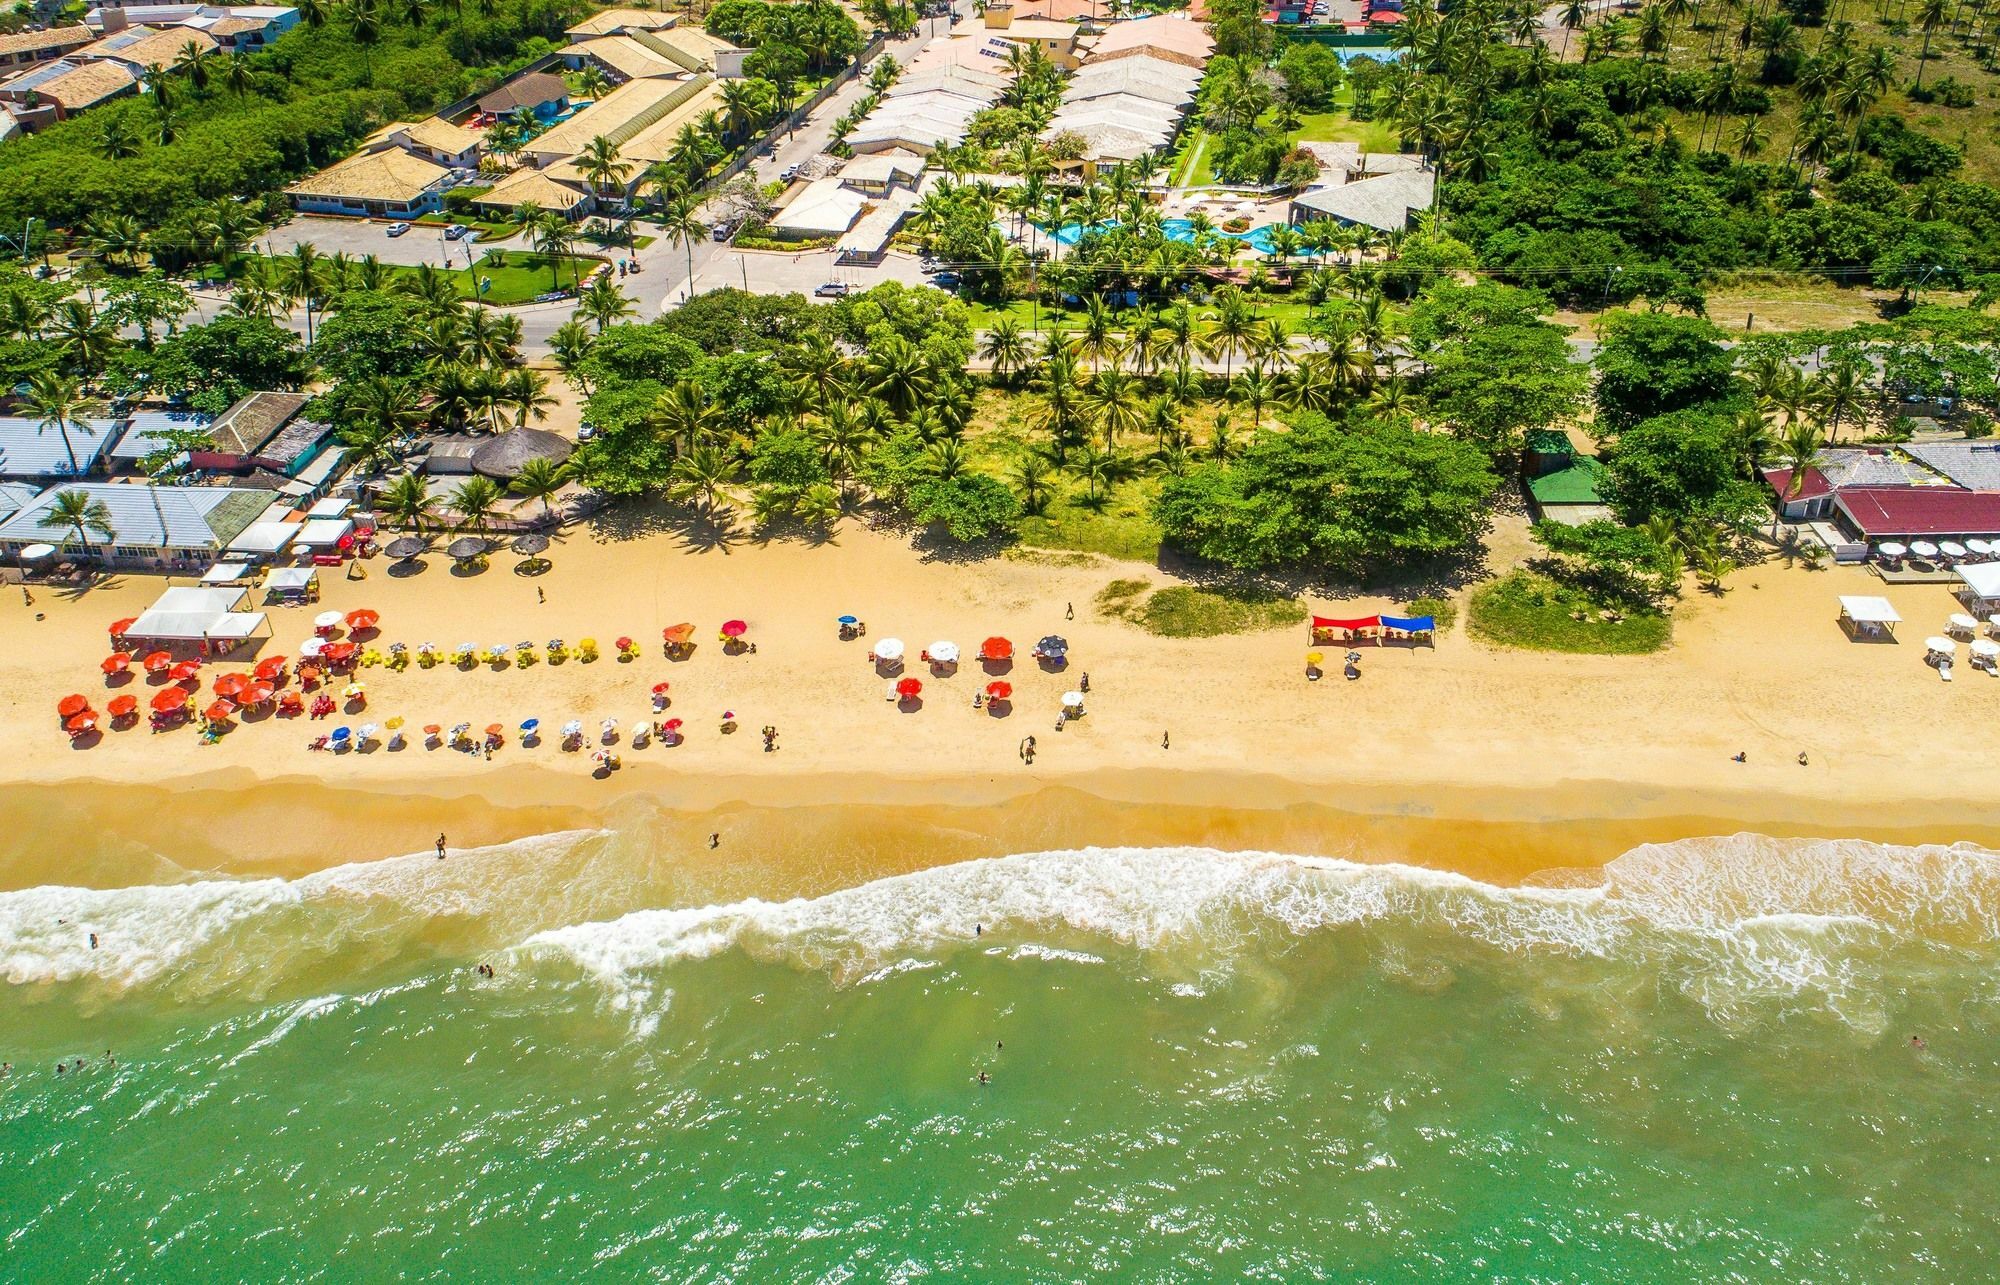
point(790, 172)
point(397, 229)
point(456, 232)
point(946, 280)
point(724, 229)
point(833, 290)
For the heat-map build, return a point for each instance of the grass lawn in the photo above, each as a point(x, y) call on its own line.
point(1533, 612)
point(1191, 167)
point(1027, 316)
point(1182, 611)
point(523, 276)
point(1339, 127)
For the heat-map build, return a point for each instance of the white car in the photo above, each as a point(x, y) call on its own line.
point(397, 229)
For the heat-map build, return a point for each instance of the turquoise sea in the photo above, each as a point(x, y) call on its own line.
point(1200, 1065)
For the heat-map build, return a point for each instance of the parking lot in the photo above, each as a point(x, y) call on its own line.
point(762, 272)
point(356, 237)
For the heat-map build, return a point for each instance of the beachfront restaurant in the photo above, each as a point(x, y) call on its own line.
point(159, 528)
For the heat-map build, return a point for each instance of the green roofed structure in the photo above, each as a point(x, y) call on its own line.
point(1571, 494)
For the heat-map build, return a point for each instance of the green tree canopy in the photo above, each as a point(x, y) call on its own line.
point(1652, 364)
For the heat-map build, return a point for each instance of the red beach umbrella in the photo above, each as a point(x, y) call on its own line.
point(339, 651)
point(219, 712)
point(258, 693)
point(169, 700)
point(123, 706)
point(671, 725)
point(734, 629)
point(999, 691)
point(186, 670)
point(623, 644)
point(84, 722)
point(230, 685)
point(118, 627)
point(158, 662)
point(363, 619)
point(908, 687)
point(996, 649)
point(72, 705)
point(116, 663)
point(660, 689)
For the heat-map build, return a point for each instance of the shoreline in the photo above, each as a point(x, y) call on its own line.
point(788, 834)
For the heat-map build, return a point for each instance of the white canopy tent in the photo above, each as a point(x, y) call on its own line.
point(291, 580)
point(1868, 614)
point(188, 615)
point(330, 507)
point(1982, 581)
point(226, 573)
point(323, 533)
point(264, 538)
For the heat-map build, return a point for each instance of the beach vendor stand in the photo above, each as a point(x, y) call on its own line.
point(1868, 616)
point(1331, 629)
point(292, 586)
point(1412, 629)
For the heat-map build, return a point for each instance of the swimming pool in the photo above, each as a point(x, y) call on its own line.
point(1258, 238)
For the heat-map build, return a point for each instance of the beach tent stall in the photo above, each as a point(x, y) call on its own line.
point(292, 585)
point(1410, 628)
point(1329, 629)
point(1868, 616)
point(228, 573)
point(263, 540)
point(324, 535)
point(1981, 594)
point(208, 616)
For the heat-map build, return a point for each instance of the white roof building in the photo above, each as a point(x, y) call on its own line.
point(825, 207)
point(148, 523)
point(1384, 202)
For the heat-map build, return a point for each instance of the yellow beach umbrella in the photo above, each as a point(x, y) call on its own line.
point(1314, 658)
point(394, 723)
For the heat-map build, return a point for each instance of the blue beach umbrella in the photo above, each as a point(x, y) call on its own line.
point(848, 620)
point(341, 735)
point(528, 725)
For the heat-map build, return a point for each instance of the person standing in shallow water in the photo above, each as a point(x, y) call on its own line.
point(440, 845)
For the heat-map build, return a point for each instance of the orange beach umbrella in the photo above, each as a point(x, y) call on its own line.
point(169, 700)
point(184, 671)
point(118, 627)
point(219, 712)
point(158, 662)
point(270, 667)
point(677, 634)
point(72, 705)
point(363, 619)
point(116, 663)
point(999, 691)
point(258, 693)
point(84, 722)
point(231, 685)
point(123, 706)
point(995, 649)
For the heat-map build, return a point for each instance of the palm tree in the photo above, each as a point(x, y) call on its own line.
point(1111, 402)
point(899, 373)
point(56, 401)
point(685, 415)
point(1253, 388)
point(818, 372)
point(408, 501)
point(540, 479)
point(1930, 16)
point(571, 343)
point(193, 63)
point(603, 168)
point(80, 512)
point(1100, 468)
point(700, 474)
point(603, 302)
point(474, 500)
point(554, 239)
point(1031, 477)
point(364, 28)
point(1095, 336)
point(680, 223)
point(1005, 348)
point(236, 76)
point(1799, 448)
point(1231, 330)
point(1843, 391)
point(115, 141)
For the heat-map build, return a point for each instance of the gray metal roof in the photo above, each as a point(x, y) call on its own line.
point(1382, 202)
point(1973, 465)
point(15, 496)
point(27, 450)
point(144, 432)
point(152, 517)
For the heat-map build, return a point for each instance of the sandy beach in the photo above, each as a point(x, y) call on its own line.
point(1465, 734)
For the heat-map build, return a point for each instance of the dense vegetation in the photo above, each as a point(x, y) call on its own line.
point(214, 130)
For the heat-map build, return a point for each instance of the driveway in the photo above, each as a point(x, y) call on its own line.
point(356, 237)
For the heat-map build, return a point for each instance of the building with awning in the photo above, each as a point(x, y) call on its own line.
point(161, 528)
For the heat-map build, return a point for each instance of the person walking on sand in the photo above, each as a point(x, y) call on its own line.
point(539, 595)
point(27, 599)
point(1803, 761)
point(1165, 742)
point(715, 840)
point(1069, 611)
point(440, 845)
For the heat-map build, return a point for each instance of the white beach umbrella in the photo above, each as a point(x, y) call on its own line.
point(327, 620)
point(1923, 548)
point(1072, 700)
point(889, 649)
point(1979, 546)
point(1959, 620)
point(312, 647)
point(573, 728)
point(1985, 648)
point(944, 653)
point(1951, 548)
point(1941, 644)
point(1890, 549)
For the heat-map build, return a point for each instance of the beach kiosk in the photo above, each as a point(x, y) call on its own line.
point(262, 540)
point(1868, 616)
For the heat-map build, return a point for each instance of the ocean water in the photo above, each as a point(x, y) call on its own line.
point(1199, 1065)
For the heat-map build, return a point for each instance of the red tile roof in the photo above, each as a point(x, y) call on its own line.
point(1780, 481)
point(1883, 512)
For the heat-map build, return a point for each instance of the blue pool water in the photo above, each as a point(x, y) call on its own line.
point(1258, 238)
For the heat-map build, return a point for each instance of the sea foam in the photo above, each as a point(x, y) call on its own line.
point(1743, 918)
